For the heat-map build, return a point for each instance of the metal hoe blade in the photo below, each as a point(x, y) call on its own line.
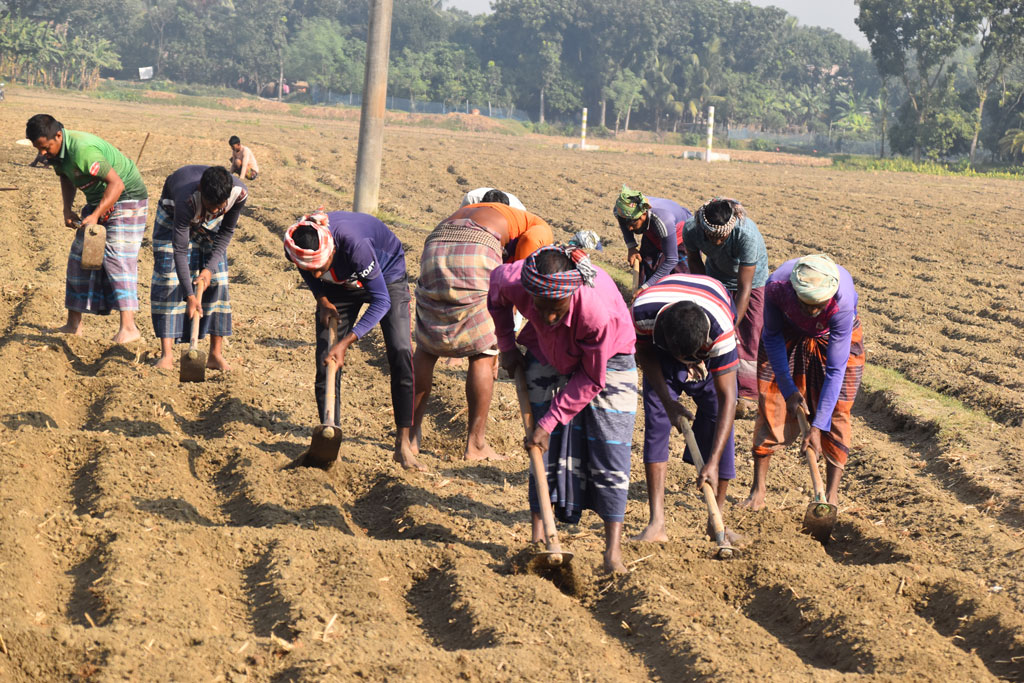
point(193, 366)
point(819, 520)
point(323, 449)
point(555, 558)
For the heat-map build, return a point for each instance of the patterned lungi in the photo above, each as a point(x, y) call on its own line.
point(115, 286)
point(748, 341)
point(774, 425)
point(588, 460)
point(167, 299)
point(451, 297)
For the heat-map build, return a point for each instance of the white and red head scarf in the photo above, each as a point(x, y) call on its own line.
point(311, 259)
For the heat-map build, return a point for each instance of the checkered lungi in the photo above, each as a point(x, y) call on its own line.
point(167, 299)
point(114, 287)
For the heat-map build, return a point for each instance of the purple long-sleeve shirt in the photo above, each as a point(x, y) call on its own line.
point(367, 257)
point(181, 197)
point(597, 327)
point(783, 315)
point(660, 225)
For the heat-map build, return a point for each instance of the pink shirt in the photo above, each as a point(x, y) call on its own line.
point(597, 327)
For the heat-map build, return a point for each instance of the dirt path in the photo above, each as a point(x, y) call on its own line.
point(149, 532)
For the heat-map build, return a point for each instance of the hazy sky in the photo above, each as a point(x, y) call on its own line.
point(834, 14)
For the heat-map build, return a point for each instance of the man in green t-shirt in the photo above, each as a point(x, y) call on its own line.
point(115, 198)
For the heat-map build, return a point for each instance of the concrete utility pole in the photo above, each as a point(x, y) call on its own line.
point(371, 119)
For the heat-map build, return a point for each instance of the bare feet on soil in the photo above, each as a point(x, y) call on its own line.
point(475, 453)
point(745, 408)
point(652, 533)
point(407, 459)
point(70, 329)
point(127, 335)
point(613, 564)
point(755, 501)
point(217, 363)
point(164, 363)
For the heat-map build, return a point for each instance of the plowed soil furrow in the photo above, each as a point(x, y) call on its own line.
point(151, 532)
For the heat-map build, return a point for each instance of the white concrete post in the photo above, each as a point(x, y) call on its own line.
point(583, 130)
point(711, 132)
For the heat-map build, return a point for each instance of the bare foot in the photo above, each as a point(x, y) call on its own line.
point(70, 329)
point(613, 564)
point(486, 453)
point(755, 501)
point(414, 441)
point(217, 363)
point(405, 458)
point(745, 408)
point(127, 335)
point(164, 363)
point(653, 533)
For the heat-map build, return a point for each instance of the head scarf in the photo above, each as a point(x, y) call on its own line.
point(558, 285)
point(587, 239)
point(719, 231)
point(311, 259)
point(815, 279)
point(631, 204)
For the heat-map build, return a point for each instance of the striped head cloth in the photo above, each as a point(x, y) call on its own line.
point(311, 259)
point(725, 229)
point(558, 285)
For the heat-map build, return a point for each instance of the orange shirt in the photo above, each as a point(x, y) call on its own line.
point(528, 231)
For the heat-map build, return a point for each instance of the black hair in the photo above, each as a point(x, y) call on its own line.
point(494, 197)
point(682, 329)
point(306, 237)
point(42, 126)
point(553, 261)
point(718, 212)
point(233, 140)
point(215, 184)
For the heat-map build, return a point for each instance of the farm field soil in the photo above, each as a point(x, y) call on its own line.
point(149, 532)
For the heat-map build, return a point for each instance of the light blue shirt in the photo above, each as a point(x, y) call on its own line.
point(743, 247)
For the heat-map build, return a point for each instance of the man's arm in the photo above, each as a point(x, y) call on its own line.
point(115, 186)
point(775, 348)
point(695, 262)
point(725, 388)
point(647, 358)
point(67, 194)
point(746, 281)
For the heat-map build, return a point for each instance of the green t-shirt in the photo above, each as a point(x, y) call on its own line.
point(85, 160)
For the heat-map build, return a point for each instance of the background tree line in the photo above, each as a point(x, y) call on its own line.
point(942, 77)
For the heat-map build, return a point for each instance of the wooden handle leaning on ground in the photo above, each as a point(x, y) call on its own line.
point(199, 288)
point(812, 459)
point(332, 370)
point(636, 277)
point(709, 495)
point(540, 476)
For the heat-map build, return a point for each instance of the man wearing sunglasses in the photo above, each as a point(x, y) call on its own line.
point(686, 344)
point(658, 224)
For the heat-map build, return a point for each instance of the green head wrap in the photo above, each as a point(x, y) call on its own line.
point(631, 204)
point(815, 279)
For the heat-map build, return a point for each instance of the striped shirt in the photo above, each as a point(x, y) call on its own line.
point(714, 300)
